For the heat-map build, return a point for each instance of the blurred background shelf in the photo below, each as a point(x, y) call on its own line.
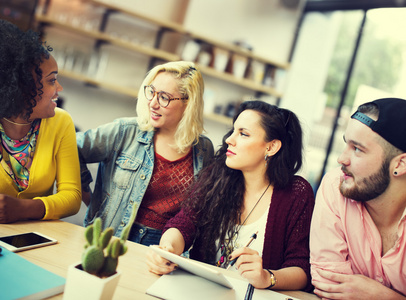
point(154, 53)
point(219, 118)
point(97, 83)
point(157, 53)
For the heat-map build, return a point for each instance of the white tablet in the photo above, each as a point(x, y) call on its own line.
point(25, 241)
point(194, 267)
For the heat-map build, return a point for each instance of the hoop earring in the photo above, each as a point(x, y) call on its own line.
point(266, 160)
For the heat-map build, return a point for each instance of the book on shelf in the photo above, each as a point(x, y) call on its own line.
point(22, 279)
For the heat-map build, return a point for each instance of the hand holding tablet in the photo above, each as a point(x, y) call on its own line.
point(194, 267)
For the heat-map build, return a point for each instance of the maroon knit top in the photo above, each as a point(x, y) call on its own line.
point(286, 242)
point(165, 191)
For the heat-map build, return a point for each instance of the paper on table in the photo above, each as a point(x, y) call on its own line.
point(181, 285)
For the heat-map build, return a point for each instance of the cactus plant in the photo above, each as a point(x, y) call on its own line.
point(102, 250)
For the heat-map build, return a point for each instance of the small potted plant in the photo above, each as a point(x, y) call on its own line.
point(96, 276)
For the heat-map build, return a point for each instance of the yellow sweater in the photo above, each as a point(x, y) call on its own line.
point(55, 159)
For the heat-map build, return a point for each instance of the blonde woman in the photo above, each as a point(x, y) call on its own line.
point(148, 161)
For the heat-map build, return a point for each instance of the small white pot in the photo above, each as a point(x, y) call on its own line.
point(82, 285)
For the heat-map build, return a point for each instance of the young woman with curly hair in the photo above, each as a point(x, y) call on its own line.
point(37, 140)
point(250, 187)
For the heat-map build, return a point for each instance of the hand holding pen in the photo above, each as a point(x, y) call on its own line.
point(252, 238)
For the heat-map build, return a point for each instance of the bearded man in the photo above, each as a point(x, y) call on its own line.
point(358, 231)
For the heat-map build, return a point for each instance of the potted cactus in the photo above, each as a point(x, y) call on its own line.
point(101, 254)
point(96, 276)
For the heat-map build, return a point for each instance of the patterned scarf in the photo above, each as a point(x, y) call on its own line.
point(16, 155)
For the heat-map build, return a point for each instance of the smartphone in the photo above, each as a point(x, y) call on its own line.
point(25, 241)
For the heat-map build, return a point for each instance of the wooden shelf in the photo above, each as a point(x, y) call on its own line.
point(102, 84)
point(149, 51)
point(163, 24)
point(180, 29)
point(249, 84)
point(238, 50)
point(157, 53)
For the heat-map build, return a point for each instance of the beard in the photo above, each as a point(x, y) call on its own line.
point(370, 187)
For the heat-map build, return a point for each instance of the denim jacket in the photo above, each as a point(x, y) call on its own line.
point(126, 157)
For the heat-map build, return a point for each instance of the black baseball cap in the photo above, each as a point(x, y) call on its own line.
point(391, 123)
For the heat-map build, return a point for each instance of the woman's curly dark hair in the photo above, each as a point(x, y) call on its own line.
point(217, 196)
point(21, 54)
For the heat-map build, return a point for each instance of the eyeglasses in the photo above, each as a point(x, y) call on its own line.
point(163, 98)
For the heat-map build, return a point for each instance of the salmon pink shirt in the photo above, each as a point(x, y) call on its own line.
point(344, 239)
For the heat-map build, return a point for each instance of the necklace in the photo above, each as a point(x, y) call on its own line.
point(15, 123)
point(246, 218)
point(225, 248)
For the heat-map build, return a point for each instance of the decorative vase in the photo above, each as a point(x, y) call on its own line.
point(82, 285)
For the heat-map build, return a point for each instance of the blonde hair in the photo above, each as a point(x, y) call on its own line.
point(191, 85)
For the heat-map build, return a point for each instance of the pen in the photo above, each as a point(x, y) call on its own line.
point(252, 238)
point(250, 292)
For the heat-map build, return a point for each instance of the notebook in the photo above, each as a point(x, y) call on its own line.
point(22, 279)
point(182, 285)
